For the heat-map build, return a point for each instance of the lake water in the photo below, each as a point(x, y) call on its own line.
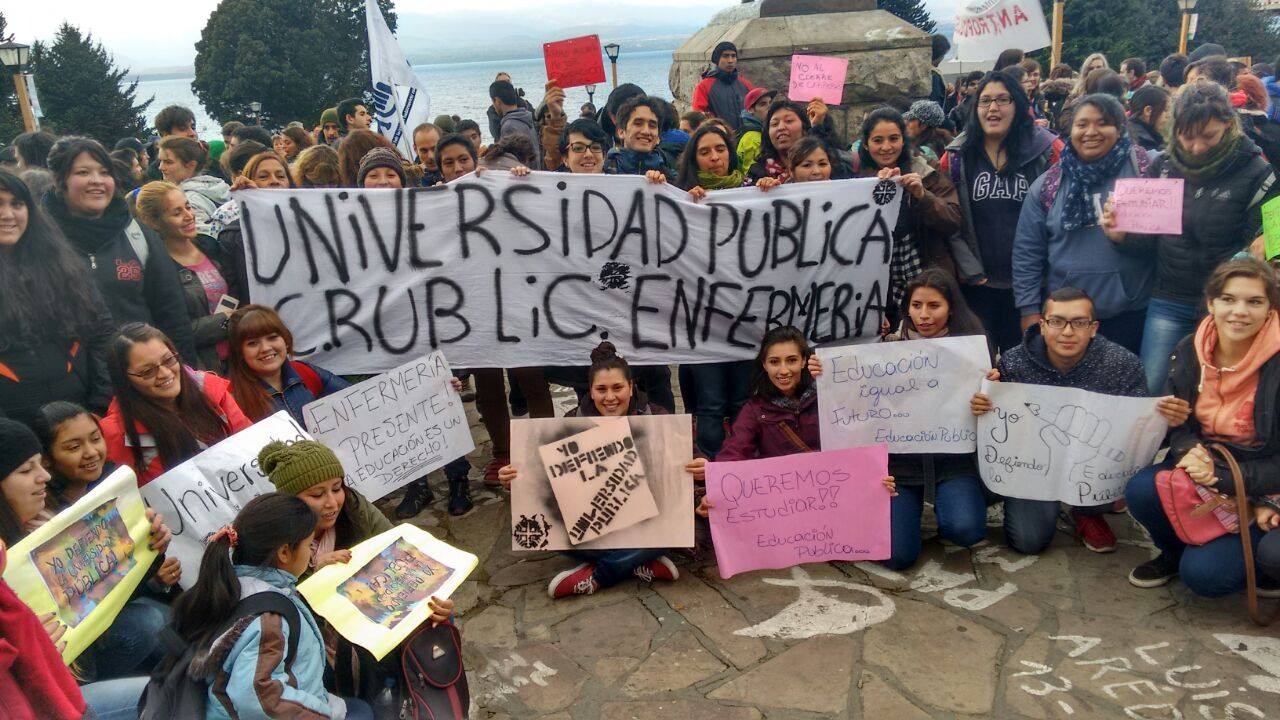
point(456, 88)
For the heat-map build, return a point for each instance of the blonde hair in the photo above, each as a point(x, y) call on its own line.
point(317, 166)
point(149, 206)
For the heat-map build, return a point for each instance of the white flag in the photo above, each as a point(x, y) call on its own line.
point(400, 101)
point(985, 28)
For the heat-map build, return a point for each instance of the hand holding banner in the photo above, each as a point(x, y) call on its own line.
point(803, 508)
point(912, 395)
point(85, 563)
point(380, 596)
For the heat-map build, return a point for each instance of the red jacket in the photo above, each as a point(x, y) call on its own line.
point(758, 430)
point(216, 390)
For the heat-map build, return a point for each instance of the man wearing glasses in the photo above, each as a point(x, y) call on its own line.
point(1064, 350)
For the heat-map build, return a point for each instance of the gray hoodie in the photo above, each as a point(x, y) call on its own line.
point(520, 121)
point(206, 194)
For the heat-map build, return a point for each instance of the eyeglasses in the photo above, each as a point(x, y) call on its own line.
point(1057, 323)
point(170, 361)
point(1000, 101)
point(579, 148)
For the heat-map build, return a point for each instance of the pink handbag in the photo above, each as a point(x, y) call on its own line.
point(1196, 513)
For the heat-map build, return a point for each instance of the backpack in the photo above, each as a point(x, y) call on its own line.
point(1139, 160)
point(435, 680)
point(173, 693)
point(309, 377)
point(138, 242)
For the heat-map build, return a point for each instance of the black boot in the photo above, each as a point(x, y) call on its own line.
point(459, 495)
point(416, 497)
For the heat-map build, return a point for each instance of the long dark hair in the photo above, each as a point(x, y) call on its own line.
point(45, 289)
point(1020, 132)
point(761, 386)
point(63, 155)
point(687, 173)
point(767, 150)
point(875, 117)
point(960, 319)
point(265, 524)
point(177, 432)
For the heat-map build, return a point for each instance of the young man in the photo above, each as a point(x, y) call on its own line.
point(1134, 71)
point(330, 131)
point(176, 120)
point(353, 115)
point(1064, 350)
point(940, 46)
point(751, 125)
point(638, 125)
point(425, 138)
point(722, 92)
point(514, 117)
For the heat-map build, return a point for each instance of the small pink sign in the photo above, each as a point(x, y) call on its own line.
point(1149, 206)
point(815, 76)
point(803, 508)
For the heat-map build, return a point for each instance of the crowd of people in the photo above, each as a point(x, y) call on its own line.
point(129, 337)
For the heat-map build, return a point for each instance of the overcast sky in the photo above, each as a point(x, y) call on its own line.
point(161, 33)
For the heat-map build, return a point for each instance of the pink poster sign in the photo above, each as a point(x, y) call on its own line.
point(1149, 206)
point(815, 76)
point(809, 507)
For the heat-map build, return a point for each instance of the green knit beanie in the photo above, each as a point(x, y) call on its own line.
point(294, 468)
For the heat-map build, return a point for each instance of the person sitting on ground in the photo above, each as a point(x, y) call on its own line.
point(722, 91)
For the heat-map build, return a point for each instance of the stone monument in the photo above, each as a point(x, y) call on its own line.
point(888, 57)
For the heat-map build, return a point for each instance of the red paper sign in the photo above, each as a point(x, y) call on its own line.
point(573, 62)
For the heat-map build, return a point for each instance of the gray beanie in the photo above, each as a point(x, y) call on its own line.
point(928, 112)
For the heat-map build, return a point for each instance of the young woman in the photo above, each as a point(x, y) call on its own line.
point(786, 122)
point(992, 163)
point(317, 167)
point(130, 267)
point(73, 450)
point(181, 162)
point(381, 168)
point(455, 156)
point(933, 308)
point(1226, 377)
point(266, 549)
point(197, 260)
point(54, 327)
point(1059, 240)
point(264, 380)
point(613, 394)
point(1147, 113)
point(163, 413)
point(1096, 61)
point(1226, 181)
point(354, 147)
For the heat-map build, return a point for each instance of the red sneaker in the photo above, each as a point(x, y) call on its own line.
point(491, 471)
point(660, 569)
point(580, 580)
point(1094, 531)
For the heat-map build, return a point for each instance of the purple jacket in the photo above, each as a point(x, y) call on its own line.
point(758, 433)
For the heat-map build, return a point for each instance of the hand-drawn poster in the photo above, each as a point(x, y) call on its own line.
point(393, 428)
point(85, 563)
point(911, 395)
point(802, 508)
point(599, 481)
point(206, 492)
point(663, 445)
point(1048, 443)
point(382, 594)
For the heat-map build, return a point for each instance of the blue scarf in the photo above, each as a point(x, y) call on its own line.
point(1088, 179)
point(622, 161)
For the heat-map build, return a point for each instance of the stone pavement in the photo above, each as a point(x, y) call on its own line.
point(981, 633)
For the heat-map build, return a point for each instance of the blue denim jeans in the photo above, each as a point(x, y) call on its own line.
point(1214, 569)
point(1268, 558)
point(614, 566)
point(1167, 323)
point(131, 646)
point(721, 390)
point(114, 699)
point(358, 709)
point(959, 505)
point(1029, 525)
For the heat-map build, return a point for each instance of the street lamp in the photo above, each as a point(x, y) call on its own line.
point(1186, 6)
point(591, 93)
point(14, 57)
point(255, 107)
point(612, 50)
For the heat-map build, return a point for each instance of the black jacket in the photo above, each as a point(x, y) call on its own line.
point(1144, 135)
point(207, 329)
point(1220, 217)
point(133, 291)
point(1260, 466)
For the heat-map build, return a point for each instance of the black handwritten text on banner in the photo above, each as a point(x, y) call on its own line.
point(505, 271)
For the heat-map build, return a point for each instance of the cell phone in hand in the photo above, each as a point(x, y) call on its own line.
point(227, 305)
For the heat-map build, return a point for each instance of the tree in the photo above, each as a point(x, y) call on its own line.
point(294, 58)
point(10, 115)
point(81, 90)
point(913, 11)
point(1118, 29)
point(1239, 27)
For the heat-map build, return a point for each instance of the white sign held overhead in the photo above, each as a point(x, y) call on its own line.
point(985, 28)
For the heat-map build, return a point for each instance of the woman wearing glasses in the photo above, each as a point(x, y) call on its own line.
point(992, 163)
point(1059, 240)
point(163, 413)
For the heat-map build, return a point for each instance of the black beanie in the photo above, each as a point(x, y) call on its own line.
point(17, 445)
point(720, 48)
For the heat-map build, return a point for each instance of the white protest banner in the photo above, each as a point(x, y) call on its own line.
point(912, 395)
point(985, 28)
point(393, 428)
point(206, 492)
point(1041, 442)
point(503, 271)
point(662, 444)
point(400, 102)
point(598, 480)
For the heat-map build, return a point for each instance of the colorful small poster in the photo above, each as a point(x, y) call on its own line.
point(84, 564)
point(1271, 227)
point(380, 596)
